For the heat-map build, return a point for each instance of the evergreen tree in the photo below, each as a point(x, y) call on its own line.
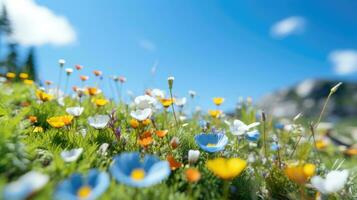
point(11, 61)
point(5, 30)
point(30, 64)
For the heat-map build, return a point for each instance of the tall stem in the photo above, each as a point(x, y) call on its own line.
point(173, 107)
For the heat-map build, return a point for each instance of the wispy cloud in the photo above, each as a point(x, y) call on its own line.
point(288, 26)
point(344, 61)
point(147, 45)
point(34, 24)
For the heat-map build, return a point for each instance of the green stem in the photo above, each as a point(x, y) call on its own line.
point(173, 107)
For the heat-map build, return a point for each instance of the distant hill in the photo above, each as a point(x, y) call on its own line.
point(308, 97)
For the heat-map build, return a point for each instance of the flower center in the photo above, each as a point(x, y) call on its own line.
point(137, 174)
point(210, 145)
point(84, 192)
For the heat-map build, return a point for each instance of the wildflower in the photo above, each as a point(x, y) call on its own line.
point(90, 187)
point(98, 121)
point(321, 144)
point(84, 78)
point(141, 115)
point(192, 93)
point(240, 128)
point(48, 82)
point(166, 102)
point(193, 175)
point(334, 182)
point(161, 133)
point(211, 142)
point(92, 91)
point(23, 76)
point(170, 80)
point(144, 101)
point(97, 73)
point(79, 67)
point(43, 96)
point(75, 111)
point(174, 164)
point(157, 93)
point(146, 122)
point(175, 142)
point(69, 71)
point(134, 123)
point(145, 139)
point(60, 121)
point(103, 148)
point(10, 75)
point(28, 82)
point(274, 146)
point(61, 62)
point(351, 152)
point(226, 169)
point(122, 79)
point(214, 113)
point(180, 102)
point(193, 156)
point(335, 88)
point(38, 129)
point(253, 136)
point(130, 169)
point(218, 100)
point(71, 155)
point(100, 102)
point(25, 186)
point(300, 173)
point(32, 119)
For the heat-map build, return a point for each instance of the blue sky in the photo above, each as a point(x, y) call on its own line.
point(217, 48)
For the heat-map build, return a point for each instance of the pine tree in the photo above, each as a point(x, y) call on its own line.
point(30, 64)
point(5, 30)
point(11, 61)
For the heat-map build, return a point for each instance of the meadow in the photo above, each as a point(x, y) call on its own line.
point(79, 144)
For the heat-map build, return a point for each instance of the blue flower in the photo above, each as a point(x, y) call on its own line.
point(211, 142)
point(130, 170)
point(253, 136)
point(274, 146)
point(79, 187)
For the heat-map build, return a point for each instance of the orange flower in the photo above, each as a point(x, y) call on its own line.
point(175, 142)
point(92, 91)
point(75, 88)
point(97, 72)
point(101, 102)
point(192, 175)
point(25, 104)
point(351, 152)
point(166, 102)
point(84, 78)
point(60, 121)
point(174, 164)
point(33, 119)
point(300, 173)
point(79, 67)
point(161, 133)
point(48, 82)
point(145, 139)
point(134, 123)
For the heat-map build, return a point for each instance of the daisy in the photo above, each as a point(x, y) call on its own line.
point(334, 181)
point(240, 128)
point(144, 101)
point(141, 115)
point(98, 121)
point(75, 111)
point(71, 155)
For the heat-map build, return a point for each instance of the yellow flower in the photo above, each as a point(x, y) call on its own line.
point(100, 102)
point(166, 102)
point(134, 123)
point(218, 100)
point(60, 121)
point(43, 96)
point(146, 122)
point(38, 129)
point(226, 168)
point(23, 76)
point(92, 91)
point(28, 82)
point(300, 173)
point(321, 144)
point(214, 113)
point(10, 75)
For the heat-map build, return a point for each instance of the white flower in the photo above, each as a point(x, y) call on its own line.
point(141, 115)
point(180, 101)
point(55, 92)
point(98, 121)
point(69, 71)
point(83, 132)
point(26, 185)
point(239, 128)
point(61, 62)
point(157, 93)
point(75, 111)
point(2, 79)
point(71, 155)
point(60, 101)
point(171, 78)
point(193, 156)
point(144, 101)
point(192, 93)
point(334, 181)
point(103, 149)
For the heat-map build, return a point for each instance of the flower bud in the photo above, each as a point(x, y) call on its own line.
point(61, 62)
point(193, 156)
point(170, 80)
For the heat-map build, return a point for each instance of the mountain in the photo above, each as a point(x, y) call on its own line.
point(308, 98)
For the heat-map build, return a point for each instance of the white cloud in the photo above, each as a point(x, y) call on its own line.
point(288, 26)
point(147, 45)
point(344, 61)
point(34, 24)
